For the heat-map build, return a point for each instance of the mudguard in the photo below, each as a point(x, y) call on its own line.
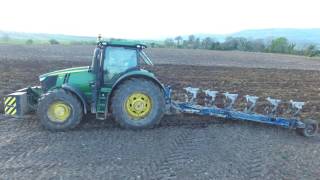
point(79, 94)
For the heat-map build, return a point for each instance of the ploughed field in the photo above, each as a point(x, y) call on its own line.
point(183, 146)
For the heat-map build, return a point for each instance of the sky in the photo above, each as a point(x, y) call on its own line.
point(150, 19)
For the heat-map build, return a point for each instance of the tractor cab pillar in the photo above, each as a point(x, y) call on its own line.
point(95, 85)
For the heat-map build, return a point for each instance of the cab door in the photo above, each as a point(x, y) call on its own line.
point(117, 61)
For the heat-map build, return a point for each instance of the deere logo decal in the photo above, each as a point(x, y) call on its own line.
point(10, 105)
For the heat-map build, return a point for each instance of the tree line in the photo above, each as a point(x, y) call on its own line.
point(277, 45)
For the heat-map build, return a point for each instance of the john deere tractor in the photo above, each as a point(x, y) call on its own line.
point(115, 84)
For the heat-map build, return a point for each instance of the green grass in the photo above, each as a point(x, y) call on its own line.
point(22, 41)
point(44, 42)
point(63, 42)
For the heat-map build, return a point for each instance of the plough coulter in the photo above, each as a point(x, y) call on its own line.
point(117, 85)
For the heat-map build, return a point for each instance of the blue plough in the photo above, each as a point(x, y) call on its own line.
point(306, 127)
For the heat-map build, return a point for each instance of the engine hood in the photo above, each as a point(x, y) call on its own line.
point(64, 71)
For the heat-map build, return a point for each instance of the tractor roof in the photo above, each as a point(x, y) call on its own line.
point(126, 43)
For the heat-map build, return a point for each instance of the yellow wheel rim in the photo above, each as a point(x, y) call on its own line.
point(138, 105)
point(59, 111)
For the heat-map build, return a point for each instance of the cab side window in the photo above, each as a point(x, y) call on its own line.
point(118, 60)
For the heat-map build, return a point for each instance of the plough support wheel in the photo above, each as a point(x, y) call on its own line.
point(311, 128)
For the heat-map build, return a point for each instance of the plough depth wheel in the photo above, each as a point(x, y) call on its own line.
point(311, 128)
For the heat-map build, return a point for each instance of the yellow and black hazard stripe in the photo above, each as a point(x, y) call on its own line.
point(10, 105)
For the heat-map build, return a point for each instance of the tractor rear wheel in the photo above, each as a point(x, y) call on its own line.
point(59, 110)
point(137, 104)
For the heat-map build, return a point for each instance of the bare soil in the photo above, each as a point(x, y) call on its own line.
point(184, 146)
point(232, 58)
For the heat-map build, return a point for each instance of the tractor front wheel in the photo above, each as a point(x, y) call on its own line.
point(137, 104)
point(59, 110)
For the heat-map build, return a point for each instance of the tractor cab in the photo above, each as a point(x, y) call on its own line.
point(114, 58)
point(113, 62)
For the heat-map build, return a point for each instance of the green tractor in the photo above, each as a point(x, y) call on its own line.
point(115, 84)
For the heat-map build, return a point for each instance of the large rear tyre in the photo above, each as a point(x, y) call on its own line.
point(310, 130)
point(59, 110)
point(138, 104)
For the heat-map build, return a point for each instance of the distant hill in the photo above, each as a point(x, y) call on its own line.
point(299, 36)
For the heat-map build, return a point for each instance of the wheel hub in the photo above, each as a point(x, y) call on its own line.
point(138, 105)
point(59, 111)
